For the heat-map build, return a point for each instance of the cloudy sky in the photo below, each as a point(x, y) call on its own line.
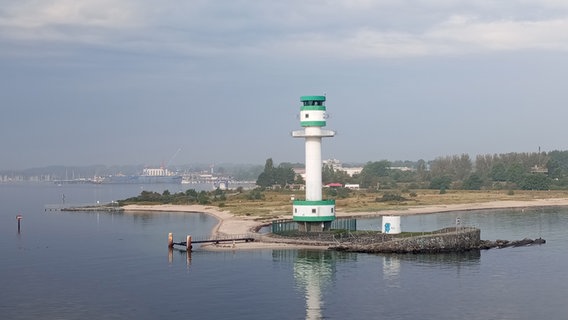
point(134, 81)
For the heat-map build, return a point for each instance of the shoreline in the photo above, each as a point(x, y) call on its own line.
point(229, 224)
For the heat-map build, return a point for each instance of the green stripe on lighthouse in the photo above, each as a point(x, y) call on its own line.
point(310, 108)
point(313, 123)
point(312, 98)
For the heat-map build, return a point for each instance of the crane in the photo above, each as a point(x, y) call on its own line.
point(172, 158)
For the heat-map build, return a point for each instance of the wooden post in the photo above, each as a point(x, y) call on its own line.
point(19, 218)
point(170, 240)
point(188, 243)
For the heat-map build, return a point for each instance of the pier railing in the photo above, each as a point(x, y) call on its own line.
point(286, 225)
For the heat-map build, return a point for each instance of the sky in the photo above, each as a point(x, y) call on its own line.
point(173, 82)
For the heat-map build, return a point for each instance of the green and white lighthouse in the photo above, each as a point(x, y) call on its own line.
point(313, 213)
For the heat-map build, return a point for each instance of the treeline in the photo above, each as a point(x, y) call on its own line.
point(527, 171)
point(190, 196)
point(282, 175)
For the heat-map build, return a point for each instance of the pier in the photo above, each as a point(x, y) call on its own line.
point(108, 207)
point(188, 243)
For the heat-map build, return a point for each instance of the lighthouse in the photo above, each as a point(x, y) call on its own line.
point(313, 214)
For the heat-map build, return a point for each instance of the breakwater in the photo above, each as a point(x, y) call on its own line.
point(452, 239)
point(103, 207)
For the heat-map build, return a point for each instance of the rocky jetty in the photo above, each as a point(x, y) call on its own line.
point(441, 241)
point(487, 244)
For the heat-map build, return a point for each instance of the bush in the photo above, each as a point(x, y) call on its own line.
point(340, 193)
point(255, 194)
point(441, 182)
point(391, 197)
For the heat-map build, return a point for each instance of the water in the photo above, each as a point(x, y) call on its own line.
point(72, 265)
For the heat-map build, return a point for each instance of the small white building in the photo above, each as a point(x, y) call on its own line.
point(155, 172)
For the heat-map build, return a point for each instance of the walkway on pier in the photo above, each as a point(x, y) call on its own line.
point(217, 240)
point(249, 237)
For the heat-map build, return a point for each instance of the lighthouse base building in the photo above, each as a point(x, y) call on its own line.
point(313, 214)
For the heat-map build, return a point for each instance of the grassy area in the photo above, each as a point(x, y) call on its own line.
point(278, 203)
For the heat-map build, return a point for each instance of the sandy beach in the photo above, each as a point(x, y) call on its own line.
point(230, 224)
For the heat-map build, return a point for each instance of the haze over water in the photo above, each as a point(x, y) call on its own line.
point(76, 265)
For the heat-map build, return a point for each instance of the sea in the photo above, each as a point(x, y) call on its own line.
point(109, 265)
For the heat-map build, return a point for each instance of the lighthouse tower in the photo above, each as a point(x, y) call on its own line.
point(313, 213)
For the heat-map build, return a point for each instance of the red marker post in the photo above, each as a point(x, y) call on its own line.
point(19, 218)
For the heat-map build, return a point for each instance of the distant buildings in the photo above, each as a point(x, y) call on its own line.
point(333, 163)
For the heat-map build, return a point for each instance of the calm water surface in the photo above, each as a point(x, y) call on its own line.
point(76, 265)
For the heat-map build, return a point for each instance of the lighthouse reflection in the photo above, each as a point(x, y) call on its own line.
point(314, 270)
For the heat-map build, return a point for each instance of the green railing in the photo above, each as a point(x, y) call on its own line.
point(282, 226)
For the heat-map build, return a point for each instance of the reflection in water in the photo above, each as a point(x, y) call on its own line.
point(313, 271)
point(391, 271)
point(457, 260)
point(183, 253)
point(451, 258)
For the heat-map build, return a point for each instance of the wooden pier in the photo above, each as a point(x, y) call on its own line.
point(188, 243)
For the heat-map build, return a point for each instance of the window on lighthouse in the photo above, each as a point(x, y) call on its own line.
point(307, 115)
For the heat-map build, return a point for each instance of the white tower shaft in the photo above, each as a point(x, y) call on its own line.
point(313, 164)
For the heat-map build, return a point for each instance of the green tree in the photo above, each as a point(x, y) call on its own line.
point(515, 173)
point(499, 172)
point(443, 182)
point(483, 164)
point(329, 175)
point(473, 182)
point(283, 175)
point(557, 164)
point(191, 193)
point(422, 170)
point(373, 172)
point(462, 166)
point(266, 178)
point(219, 194)
point(203, 198)
point(535, 182)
